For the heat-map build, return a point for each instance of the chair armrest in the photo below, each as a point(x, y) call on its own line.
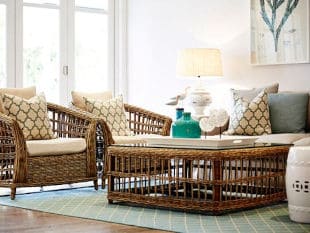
point(71, 123)
point(13, 152)
point(142, 121)
point(102, 127)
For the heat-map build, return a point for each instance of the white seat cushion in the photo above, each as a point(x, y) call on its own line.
point(56, 146)
point(303, 142)
point(282, 138)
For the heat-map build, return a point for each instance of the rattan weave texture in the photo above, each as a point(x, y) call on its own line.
point(18, 169)
point(197, 180)
point(140, 121)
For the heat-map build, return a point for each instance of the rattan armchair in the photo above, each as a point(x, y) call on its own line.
point(18, 169)
point(140, 121)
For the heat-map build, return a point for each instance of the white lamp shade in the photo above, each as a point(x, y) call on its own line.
point(199, 62)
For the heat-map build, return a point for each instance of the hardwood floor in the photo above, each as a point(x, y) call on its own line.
point(21, 220)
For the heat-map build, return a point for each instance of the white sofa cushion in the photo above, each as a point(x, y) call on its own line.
point(302, 142)
point(281, 138)
point(56, 146)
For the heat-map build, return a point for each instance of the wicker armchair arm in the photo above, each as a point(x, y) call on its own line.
point(142, 121)
point(71, 123)
point(6, 119)
point(102, 127)
point(13, 153)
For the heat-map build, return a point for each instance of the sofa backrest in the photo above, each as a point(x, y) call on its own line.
point(225, 127)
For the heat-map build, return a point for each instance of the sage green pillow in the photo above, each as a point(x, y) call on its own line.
point(288, 112)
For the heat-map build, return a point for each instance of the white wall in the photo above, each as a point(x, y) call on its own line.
point(157, 29)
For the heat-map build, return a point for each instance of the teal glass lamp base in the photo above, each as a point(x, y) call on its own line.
point(186, 127)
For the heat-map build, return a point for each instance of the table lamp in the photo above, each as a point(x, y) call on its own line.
point(199, 62)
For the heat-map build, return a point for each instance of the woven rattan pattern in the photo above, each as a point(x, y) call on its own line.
point(140, 121)
point(18, 169)
point(197, 180)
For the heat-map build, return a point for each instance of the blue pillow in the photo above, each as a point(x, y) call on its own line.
point(288, 112)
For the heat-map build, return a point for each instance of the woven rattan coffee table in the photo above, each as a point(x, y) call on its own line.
point(203, 180)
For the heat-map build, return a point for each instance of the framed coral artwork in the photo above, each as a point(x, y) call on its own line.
point(279, 32)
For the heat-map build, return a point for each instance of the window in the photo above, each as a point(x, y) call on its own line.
point(41, 48)
point(57, 45)
point(3, 63)
point(45, 2)
point(91, 45)
point(95, 4)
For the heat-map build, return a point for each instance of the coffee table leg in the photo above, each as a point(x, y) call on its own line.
point(216, 187)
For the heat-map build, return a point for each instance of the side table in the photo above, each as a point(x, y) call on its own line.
point(298, 183)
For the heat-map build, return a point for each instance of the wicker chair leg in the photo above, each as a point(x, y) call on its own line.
point(13, 193)
point(96, 184)
point(103, 182)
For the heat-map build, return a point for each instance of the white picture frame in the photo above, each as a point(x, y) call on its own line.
point(280, 36)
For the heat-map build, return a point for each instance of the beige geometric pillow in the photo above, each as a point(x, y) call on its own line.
point(250, 118)
point(27, 93)
point(112, 112)
point(78, 101)
point(31, 115)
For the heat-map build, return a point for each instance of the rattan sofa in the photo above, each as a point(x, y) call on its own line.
point(20, 169)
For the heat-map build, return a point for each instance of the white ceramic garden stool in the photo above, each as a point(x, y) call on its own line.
point(298, 183)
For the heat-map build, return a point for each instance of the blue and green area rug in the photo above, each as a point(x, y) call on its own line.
point(91, 204)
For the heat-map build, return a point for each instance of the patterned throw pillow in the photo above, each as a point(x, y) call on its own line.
point(112, 111)
point(26, 92)
point(31, 115)
point(250, 118)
